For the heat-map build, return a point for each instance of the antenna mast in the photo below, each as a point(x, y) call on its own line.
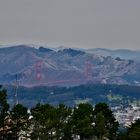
point(16, 85)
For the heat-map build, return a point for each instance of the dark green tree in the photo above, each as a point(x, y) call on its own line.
point(82, 121)
point(134, 131)
point(20, 121)
point(63, 127)
point(100, 129)
point(105, 120)
point(44, 122)
point(4, 107)
point(122, 136)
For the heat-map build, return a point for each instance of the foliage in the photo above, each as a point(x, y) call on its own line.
point(82, 121)
point(93, 93)
point(4, 107)
point(48, 122)
point(134, 131)
point(105, 121)
point(20, 122)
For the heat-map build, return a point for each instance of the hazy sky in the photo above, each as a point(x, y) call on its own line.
point(80, 23)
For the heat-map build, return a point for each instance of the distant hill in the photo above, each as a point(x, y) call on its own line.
point(66, 67)
point(111, 94)
point(122, 53)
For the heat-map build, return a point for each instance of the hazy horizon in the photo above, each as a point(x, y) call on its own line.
point(76, 24)
point(57, 47)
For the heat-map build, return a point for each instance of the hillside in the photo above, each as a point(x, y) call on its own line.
point(64, 67)
point(111, 94)
point(122, 53)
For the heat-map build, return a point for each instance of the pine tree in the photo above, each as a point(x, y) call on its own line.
point(4, 107)
point(20, 121)
point(82, 121)
point(134, 131)
point(105, 115)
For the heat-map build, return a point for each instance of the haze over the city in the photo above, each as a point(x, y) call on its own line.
point(110, 24)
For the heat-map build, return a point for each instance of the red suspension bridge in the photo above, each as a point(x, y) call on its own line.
point(88, 75)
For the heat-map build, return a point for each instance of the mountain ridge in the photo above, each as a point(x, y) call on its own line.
point(64, 67)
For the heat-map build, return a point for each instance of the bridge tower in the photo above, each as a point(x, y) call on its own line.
point(88, 70)
point(38, 70)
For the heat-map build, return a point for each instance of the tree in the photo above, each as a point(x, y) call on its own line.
point(44, 122)
point(20, 122)
point(63, 126)
point(82, 121)
point(100, 128)
point(134, 131)
point(105, 120)
point(122, 136)
point(4, 107)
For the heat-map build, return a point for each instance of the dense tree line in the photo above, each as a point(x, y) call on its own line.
point(46, 122)
point(69, 95)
